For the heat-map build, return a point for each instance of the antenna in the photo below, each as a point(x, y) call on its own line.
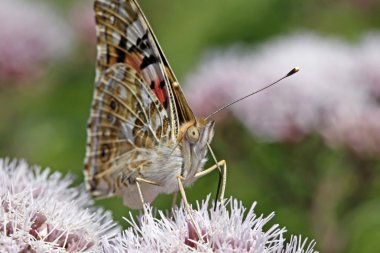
point(291, 72)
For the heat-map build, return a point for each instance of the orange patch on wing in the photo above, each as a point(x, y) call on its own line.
point(160, 92)
point(134, 60)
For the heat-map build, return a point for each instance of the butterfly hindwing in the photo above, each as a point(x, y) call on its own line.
point(126, 117)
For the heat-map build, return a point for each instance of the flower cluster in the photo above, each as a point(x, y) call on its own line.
point(230, 227)
point(336, 93)
point(31, 34)
point(39, 212)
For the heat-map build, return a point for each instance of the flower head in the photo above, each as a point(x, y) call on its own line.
point(31, 34)
point(39, 212)
point(227, 228)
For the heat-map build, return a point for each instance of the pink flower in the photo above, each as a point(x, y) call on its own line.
point(229, 228)
point(335, 76)
point(39, 212)
point(369, 62)
point(31, 34)
point(84, 21)
point(355, 128)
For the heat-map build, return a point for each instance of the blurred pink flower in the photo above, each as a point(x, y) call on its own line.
point(355, 128)
point(31, 34)
point(84, 20)
point(368, 58)
point(335, 76)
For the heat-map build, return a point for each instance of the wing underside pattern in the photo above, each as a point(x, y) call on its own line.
point(125, 37)
point(126, 119)
point(138, 103)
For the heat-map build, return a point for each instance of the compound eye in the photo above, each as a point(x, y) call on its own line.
point(192, 134)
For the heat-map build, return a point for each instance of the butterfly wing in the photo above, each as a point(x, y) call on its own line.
point(125, 36)
point(137, 103)
point(126, 119)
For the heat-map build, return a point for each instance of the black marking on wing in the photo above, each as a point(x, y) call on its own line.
point(121, 54)
point(148, 61)
point(143, 42)
point(162, 84)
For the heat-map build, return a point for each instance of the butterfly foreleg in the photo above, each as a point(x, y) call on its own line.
point(187, 206)
point(143, 180)
point(219, 164)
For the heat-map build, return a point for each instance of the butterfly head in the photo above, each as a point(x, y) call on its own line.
point(197, 134)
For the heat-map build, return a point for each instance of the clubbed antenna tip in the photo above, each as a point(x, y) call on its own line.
point(293, 71)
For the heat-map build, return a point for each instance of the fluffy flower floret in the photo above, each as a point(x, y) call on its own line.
point(39, 212)
point(230, 227)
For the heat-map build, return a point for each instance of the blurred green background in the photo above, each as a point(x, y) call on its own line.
point(330, 195)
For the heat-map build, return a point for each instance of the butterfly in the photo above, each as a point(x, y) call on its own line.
point(142, 137)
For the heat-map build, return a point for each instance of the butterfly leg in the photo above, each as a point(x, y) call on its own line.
point(219, 164)
point(141, 196)
point(142, 180)
point(188, 209)
point(174, 201)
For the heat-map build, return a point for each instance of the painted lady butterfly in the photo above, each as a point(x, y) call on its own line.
point(143, 139)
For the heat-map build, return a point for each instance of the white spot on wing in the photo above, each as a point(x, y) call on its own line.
point(123, 13)
point(139, 27)
point(109, 85)
point(145, 99)
point(127, 130)
point(116, 38)
point(131, 35)
point(123, 93)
